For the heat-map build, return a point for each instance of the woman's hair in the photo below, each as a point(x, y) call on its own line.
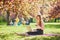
point(39, 16)
point(39, 19)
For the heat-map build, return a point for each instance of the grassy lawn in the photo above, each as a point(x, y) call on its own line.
point(7, 32)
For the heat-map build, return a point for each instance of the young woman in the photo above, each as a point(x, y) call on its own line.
point(39, 28)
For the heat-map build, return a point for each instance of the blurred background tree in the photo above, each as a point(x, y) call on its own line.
point(49, 9)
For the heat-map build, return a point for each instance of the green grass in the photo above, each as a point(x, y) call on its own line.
point(7, 32)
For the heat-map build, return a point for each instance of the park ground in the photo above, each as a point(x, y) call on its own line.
point(8, 32)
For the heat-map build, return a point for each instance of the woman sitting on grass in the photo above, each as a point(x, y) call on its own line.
point(39, 28)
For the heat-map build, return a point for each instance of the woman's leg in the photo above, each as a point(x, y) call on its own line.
point(38, 32)
point(32, 33)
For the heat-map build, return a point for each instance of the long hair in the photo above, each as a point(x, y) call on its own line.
point(39, 23)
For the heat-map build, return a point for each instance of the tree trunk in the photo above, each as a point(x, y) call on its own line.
point(8, 14)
